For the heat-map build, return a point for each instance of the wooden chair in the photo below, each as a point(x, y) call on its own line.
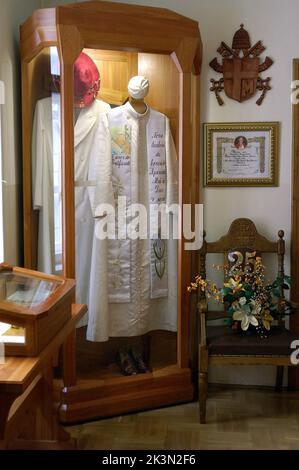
point(220, 344)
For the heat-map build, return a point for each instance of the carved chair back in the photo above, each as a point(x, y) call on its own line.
point(242, 244)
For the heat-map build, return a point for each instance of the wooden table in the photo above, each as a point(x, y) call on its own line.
point(28, 413)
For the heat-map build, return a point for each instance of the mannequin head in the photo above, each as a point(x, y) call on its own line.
point(138, 89)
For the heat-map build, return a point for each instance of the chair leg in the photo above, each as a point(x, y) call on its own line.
point(203, 384)
point(279, 378)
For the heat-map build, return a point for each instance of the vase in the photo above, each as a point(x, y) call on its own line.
point(251, 331)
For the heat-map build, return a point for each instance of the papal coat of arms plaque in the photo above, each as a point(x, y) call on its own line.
point(241, 67)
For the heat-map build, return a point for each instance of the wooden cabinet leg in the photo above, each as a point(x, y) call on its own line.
point(48, 413)
point(69, 360)
point(194, 347)
point(6, 401)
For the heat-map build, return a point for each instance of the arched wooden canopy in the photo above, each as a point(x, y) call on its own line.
point(136, 28)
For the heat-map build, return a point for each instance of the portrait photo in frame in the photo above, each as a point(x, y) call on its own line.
point(241, 154)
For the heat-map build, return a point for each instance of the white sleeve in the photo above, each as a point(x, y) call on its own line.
point(172, 165)
point(37, 157)
point(100, 168)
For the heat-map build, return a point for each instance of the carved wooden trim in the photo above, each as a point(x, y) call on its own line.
point(241, 78)
point(186, 54)
point(198, 59)
point(37, 32)
point(110, 24)
point(242, 234)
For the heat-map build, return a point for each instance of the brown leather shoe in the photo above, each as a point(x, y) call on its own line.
point(138, 359)
point(126, 363)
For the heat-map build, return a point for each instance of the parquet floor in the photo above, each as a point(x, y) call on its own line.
point(236, 419)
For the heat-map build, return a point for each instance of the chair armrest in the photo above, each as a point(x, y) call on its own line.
point(217, 315)
point(294, 304)
point(202, 305)
point(204, 316)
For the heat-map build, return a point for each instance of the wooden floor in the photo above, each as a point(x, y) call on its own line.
point(236, 419)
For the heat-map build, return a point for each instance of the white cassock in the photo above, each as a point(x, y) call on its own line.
point(133, 288)
point(46, 144)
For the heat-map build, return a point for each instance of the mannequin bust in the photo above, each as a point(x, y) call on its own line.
point(138, 89)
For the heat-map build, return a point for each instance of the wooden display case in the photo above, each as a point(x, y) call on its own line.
point(123, 40)
point(33, 308)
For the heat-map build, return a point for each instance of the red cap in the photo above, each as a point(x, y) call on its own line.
point(86, 81)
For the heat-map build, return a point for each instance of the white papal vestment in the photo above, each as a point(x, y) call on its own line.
point(46, 143)
point(133, 288)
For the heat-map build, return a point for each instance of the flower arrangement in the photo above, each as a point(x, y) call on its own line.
point(248, 299)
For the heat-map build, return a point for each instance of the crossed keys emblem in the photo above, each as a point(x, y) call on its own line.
point(241, 67)
point(160, 262)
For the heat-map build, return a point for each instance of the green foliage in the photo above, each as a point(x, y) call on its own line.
point(247, 298)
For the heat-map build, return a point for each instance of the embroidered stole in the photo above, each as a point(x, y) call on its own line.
point(124, 144)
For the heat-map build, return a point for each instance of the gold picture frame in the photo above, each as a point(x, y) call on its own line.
point(241, 154)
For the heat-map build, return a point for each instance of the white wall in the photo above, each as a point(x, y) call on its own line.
point(12, 14)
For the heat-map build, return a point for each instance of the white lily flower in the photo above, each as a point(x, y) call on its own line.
point(245, 319)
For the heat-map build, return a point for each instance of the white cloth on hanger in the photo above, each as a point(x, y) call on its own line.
point(46, 141)
point(46, 130)
point(124, 298)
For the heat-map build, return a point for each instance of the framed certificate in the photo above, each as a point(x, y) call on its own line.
point(241, 154)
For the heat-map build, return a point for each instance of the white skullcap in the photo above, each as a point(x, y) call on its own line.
point(138, 87)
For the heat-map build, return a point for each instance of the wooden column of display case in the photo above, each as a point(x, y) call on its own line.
point(293, 371)
point(196, 199)
point(167, 49)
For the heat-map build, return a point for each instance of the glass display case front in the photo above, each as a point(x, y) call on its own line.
point(125, 156)
point(33, 306)
point(46, 160)
point(24, 290)
point(130, 290)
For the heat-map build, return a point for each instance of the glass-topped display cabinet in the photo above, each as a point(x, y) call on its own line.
point(92, 137)
point(33, 308)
